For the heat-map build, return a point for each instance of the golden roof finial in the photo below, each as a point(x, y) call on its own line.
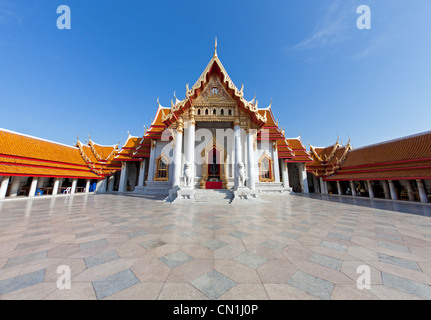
point(215, 48)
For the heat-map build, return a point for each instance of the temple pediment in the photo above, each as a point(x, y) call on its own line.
point(214, 94)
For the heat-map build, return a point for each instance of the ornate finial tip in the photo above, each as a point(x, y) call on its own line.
point(215, 47)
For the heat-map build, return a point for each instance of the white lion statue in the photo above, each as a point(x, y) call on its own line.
point(187, 175)
point(241, 172)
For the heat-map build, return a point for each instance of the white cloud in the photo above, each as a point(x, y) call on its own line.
point(329, 30)
point(9, 14)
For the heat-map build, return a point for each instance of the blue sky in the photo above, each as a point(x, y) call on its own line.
point(326, 78)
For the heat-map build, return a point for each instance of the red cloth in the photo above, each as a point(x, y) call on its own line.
point(214, 185)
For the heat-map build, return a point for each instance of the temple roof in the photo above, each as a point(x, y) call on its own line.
point(404, 158)
point(30, 156)
point(299, 151)
point(214, 67)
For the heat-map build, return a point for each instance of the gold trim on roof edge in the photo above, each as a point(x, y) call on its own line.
point(227, 80)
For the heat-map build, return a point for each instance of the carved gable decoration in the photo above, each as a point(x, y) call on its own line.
point(214, 94)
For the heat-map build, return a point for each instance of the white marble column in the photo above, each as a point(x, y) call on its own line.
point(74, 184)
point(101, 185)
point(141, 179)
point(352, 187)
point(251, 161)
point(422, 192)
point(276, 164)
point(386, 189)
point(111, 183)
point(56, 186)
point(340, 192)
point(370, 189)
point(87, 186)
point(392, 190)
point(14, 188)
point(150, 176)
point(410, 191)
point(177, 154)
point(33, 187)
point(190, 155)
point(286, 183)
point(303, 178)
point(3, 186)
point(123, 177)
point(323, 189)
point(238, 149)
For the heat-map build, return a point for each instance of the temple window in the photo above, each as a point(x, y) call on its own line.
point(230, 112)
point(162, 169)
point(265, 169)
point(222, 112)
point(206, 112)
point(214, 112)
point(199, 112)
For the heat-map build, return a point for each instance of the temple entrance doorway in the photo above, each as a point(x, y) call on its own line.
point(213, 166)
point(214, 178)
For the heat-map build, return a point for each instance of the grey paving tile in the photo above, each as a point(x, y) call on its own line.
point(339, 236)
point(274, 244)
point(101, 258)
point(392, 246)
point(271, 222)
point(35, 234)
point(399, 262)
point(138, 233)
point(334, 246)
point(408, 286)
point(152, 244)
point(312, 285)
point(176, 259)
point(289, 235)
point(255, 227)
point(114, 283)
point(25, 259)
point(388, 236)
point(213, 284)
point(86, 234)
point(189, 234)
point(300, 228)
point(170, 226)
point(32, 244)
point(21, 281)
point(92, 244)
point(343, 229)
point(239, 234)
point(214, 244)
point(213, 227)
point(326, 261)
point(250, 259)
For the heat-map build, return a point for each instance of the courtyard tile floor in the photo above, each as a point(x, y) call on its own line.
point(287, 247)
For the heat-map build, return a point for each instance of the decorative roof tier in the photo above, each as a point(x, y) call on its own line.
point(95, 161)
point(327, 160)
point(300, 154)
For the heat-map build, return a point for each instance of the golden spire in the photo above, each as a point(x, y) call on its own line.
point(215, 48)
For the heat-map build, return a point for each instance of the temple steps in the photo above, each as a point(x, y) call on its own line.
point(213, 195)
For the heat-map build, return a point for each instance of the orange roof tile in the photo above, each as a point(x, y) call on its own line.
point(404, 158)
point(25, 155)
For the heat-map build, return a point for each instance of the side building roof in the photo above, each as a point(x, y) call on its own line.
point(24, 155)
point(400, 159)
